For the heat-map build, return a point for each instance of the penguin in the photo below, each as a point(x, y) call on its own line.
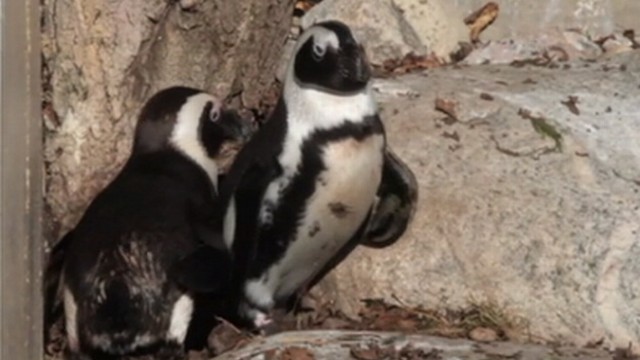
point(304, 186)
point(131, 267)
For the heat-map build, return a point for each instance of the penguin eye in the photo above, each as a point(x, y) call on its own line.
point(318, 52)
point(214, 114)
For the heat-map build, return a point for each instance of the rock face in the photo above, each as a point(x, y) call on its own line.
point(336, 344)
point(529, 197)
point(393, 28)
point(528, 19)
point(438, 24)
point(102, 59)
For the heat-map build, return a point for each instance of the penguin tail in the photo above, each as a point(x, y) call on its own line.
point(119, 321)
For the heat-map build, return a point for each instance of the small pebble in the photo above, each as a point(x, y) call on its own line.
point(483, 334)
point(188, 4)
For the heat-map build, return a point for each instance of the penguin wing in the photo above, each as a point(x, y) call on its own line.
point(208, 266)
point(204, 270)
point(396, 203)
point(51, 281)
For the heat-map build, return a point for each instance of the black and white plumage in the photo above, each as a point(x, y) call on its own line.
point(304, 185)
point(126, 286)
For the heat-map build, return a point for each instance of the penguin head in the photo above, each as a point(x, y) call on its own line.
point(188, 120)
point(328, 56)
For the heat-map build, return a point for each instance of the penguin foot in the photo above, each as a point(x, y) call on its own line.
point(261, 319)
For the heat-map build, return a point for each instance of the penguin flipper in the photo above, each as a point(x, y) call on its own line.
point(51, 281)
point(396, 203)
point(204, 270)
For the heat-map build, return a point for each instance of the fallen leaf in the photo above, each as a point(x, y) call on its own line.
point(451, 135)
point(409, 63)
point(447, 106)
point(570, 103)
point(595, 343)
point(481, 19)
point(631, 35)
point(296, 353)
point(197, 355)
point(411, 353)
point(225, 337)
point(483, 334)
point(485, 96)
point(364, 354)
point(305, 5)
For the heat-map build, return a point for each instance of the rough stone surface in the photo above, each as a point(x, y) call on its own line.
point(382, 28)
point(529, 19)
point(438, 24)
point(335, 344)
point(103, 59)
point(558, 45)
point(549, 230)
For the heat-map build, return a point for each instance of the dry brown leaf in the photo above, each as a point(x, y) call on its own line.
point(571, 104)
point(631, 35)
point(481, 19)
point(409, 63)
point(305, 5)
point(296, 353)
point(225, 337)
point(365, 354)
point(447, 106)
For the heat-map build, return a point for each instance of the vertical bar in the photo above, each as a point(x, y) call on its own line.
point(20, 181)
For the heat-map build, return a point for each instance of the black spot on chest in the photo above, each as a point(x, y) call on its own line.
point(276, 236)
point(339, 209)
point(314, 229)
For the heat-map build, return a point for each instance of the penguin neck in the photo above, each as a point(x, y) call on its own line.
point(175, 164)
point(314, 108)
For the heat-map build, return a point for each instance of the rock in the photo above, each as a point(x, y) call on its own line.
point(556, 44)
point(617, 43)
point(101, 60)
point(438, 24)
point(378, 23)
point(342, 344)
point(528, 198)
point(523, 19)
point(483, 334)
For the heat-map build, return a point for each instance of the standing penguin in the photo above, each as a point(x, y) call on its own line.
point(131, 264)
point(304, 185)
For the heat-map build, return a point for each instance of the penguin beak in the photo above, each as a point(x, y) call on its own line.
point(356, 64)
point(362, 72)
point(235, 127)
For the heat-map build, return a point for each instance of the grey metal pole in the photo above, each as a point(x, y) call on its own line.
point(21, 179)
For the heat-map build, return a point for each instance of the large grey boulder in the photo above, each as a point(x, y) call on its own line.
point(337, 344)
point(391, 29)
point(438, 24)
point(531, 198)
point(530, 19)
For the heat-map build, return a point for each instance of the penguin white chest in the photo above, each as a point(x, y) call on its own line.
point(344, 194)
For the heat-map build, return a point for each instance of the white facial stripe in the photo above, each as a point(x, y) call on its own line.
point(310, 108)
point(185, 137)
point(325, 38)
point(180, 318)
point(321, 36)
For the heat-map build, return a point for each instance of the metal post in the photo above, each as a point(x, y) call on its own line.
point(20, 181)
